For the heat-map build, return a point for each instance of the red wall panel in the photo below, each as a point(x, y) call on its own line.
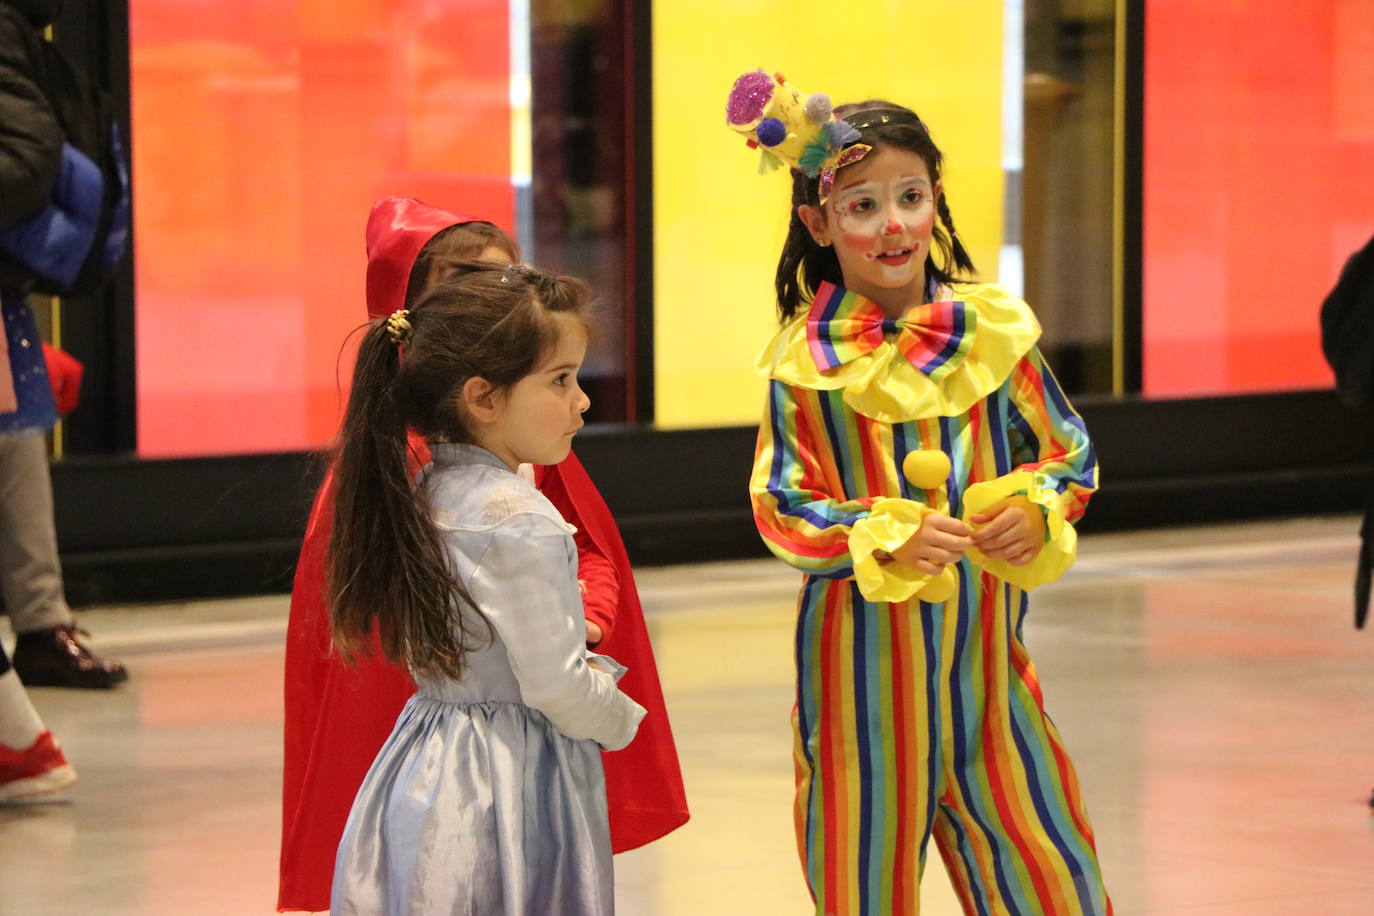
point(1259, 183)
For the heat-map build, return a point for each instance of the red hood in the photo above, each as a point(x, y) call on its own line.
point(397, 229)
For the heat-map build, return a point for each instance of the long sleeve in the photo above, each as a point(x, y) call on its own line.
point(1049, 440)
point(800, 522)
point(602, 595)
point(30, 138)
point(1055, 468)
point(525, 585)
point(804, 525)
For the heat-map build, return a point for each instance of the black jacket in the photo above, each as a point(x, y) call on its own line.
point(30, 136)
point(1348, 329)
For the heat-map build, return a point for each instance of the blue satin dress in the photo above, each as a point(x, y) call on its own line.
point(489, 797)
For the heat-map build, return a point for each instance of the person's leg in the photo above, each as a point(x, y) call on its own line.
point(31, 763)
point(866, 761)
point(1012, 828)
point(30, 573)
point(48, 652)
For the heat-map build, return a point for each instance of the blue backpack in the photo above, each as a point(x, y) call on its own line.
point(74, 245)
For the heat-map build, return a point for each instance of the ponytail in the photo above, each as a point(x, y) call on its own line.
point(953, 249)
point(387, 567)
point(804, 265)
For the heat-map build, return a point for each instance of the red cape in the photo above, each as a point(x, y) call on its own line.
point(337, 716)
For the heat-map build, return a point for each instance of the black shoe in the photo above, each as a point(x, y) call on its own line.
point(56, 658)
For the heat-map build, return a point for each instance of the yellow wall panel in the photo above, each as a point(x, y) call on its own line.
point(719, 226)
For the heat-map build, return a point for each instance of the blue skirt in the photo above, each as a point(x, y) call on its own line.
point(477, 808)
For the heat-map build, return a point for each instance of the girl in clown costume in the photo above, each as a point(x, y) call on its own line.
point(920, 465)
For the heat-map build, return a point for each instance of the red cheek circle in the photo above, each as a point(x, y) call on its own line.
point(855, 240)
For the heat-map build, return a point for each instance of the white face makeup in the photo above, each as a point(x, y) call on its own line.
point(880, 219)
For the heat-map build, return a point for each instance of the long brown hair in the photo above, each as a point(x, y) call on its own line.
point(387, 566)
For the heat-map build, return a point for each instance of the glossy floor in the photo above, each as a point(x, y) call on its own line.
point(1207, 681)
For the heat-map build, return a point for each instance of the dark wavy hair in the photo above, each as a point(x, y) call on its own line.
point(387, 567)
point(805, 265)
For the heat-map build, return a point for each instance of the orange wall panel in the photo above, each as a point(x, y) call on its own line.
point(262, 132)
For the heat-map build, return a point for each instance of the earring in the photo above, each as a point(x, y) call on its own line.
point(824, 243)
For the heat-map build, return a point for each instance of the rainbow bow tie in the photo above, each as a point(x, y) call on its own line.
point(842, 326)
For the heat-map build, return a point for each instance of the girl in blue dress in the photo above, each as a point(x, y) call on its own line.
point(489, 795)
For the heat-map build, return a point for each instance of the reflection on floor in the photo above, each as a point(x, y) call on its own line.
point(1207, 681)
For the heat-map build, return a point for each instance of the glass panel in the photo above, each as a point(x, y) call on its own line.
point(262, 132)
point(1066, 225)
point(1257, 186)
point(581, 170)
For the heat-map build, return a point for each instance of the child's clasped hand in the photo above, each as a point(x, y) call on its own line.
point(942, 540)
point(1013, 530)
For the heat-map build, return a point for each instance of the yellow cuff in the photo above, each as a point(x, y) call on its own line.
point(1061, 540)
point(889, 525)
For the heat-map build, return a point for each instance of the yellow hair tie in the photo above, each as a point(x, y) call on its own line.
point(398, 326)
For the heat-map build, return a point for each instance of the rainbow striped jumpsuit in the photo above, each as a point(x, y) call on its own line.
point(916, 718)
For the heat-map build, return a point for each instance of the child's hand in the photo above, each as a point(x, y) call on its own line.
point(1013, 530)
point(593, 633)
point(942, 540)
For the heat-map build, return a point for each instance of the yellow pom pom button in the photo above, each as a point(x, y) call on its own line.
point(927, 469)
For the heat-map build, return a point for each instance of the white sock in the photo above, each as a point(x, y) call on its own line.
point(20, 724)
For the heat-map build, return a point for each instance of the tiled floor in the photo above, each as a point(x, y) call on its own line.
point(1208, 682)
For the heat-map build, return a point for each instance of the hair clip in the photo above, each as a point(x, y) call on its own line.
point(513, 270)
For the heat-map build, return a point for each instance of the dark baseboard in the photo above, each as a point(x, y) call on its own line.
point(150, 530)
point(182, 573)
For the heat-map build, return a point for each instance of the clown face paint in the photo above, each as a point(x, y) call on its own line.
point(880, 219)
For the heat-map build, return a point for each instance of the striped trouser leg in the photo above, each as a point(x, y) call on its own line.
point(1010, 821)
point(864, 733)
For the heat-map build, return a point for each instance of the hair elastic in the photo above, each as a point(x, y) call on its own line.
point(398, 326)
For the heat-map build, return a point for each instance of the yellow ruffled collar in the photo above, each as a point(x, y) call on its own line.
point(937, 361)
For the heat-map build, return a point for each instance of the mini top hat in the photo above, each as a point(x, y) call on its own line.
point(792, 128)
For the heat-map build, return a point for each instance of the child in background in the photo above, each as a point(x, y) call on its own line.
point(338, 715)
point(919, 711)
point(489, 796)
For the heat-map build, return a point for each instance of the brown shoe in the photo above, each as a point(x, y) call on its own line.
point(56, 658)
